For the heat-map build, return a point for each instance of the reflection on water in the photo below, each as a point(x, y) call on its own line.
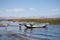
point(22, 33)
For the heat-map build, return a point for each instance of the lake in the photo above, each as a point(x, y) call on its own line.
point(14, 32)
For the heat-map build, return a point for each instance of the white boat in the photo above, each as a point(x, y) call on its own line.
point(3, 25)
point(36, 25)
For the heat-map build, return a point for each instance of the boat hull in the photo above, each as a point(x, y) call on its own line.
point(38, 27)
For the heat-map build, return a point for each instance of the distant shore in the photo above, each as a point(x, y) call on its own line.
point(46, 20)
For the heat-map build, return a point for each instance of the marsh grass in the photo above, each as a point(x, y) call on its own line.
point(49, 20)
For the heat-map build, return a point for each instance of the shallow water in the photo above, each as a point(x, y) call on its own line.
point(14, 32)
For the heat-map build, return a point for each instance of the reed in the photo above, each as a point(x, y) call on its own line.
point(49, 20)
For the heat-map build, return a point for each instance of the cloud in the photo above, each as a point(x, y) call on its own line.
point(55, 10)
point(16, 10)
point(13, 10)
point(32, 9)
point(1, 11)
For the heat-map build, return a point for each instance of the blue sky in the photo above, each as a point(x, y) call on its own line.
point(29, 8)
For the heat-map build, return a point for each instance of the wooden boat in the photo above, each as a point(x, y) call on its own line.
point(34, 26)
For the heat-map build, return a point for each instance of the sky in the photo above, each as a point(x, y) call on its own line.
point(30, 8)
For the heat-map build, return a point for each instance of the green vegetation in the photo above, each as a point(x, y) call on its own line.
point(49, 20)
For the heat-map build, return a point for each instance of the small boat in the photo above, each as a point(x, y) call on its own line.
point(3, 25)
point(35, 26)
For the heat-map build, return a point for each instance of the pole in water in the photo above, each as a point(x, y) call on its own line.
point(20, 26)
point(6, 28)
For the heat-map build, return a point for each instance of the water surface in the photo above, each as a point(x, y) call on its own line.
point(14, 32)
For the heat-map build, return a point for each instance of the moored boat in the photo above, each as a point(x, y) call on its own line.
point(3, 25)
point(36, 26)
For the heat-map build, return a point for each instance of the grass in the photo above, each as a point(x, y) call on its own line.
point(49, 20)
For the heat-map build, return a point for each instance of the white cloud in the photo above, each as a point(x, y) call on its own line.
point(1, 11)
point(32, 9)
point(16, 10)
point(55, 10)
